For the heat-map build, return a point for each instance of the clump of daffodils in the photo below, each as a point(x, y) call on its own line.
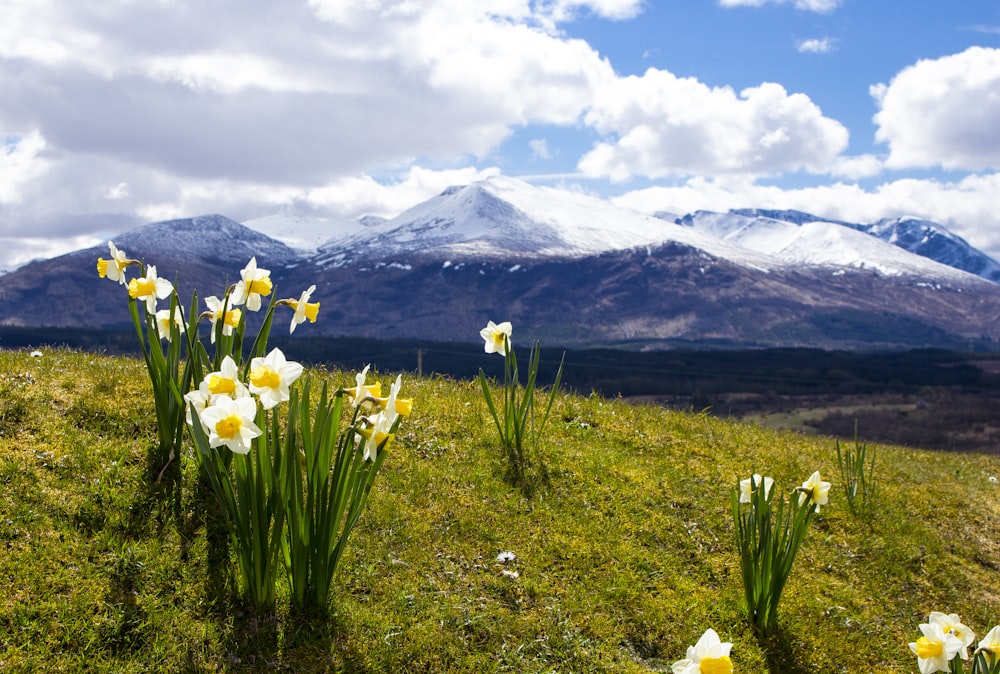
point(175, 357)
point(291, 478)
point(769, 533)
point(518, 423)
point(944, 647)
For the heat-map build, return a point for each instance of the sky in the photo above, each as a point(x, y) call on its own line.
point(115, 113)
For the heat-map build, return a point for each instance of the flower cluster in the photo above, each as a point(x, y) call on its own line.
point(226, 405)
point(945, 642)
point(768, 536)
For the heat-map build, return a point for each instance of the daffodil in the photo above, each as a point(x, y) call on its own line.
point(393, 404)
point(991, 644)
point(197, 401)
point(709, 656)
point(380, 427)
point(271, 376)
point(254, 283)
point(497, 337)
point(231, 423)
point(952, 625)
point(303, 308)
point(226, 380)
point(164, 324)
point(815, 489)
point(377, 434)
point(362, 391)
point(150, 288)
point(935, 649)
point(114, 269)
point(752, 483)
point(230, 319)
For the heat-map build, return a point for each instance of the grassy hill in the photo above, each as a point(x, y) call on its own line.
point(622, 561)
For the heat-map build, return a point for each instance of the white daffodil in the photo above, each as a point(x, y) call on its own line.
point(381, 424)
point(935, 649)
point(747, 485)
point(226, 380)
point(113, 269)
point(150, 288)
point(991, 644)
point(394, 405)
point(164, 324)
point(814, 488)
point(197, 401)
point(254, 283)
point(230, 320)
point(497, 337)
point(709, 656)
point(361, 390)
point(377, 435)
point(950, 624)
point(230, 422)
point(303, 308)
point(271, 376)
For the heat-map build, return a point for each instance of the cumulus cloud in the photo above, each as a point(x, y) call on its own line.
point(304, 96)
point(664, 125)
point(943, 112)
point(822, 6)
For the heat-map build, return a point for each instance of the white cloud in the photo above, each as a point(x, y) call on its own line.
point(822, 6)
point(943, 112)
point(21, 162)
point(816, 45)
point(967, 206)
point(540, 148)
point(301, 96)
point(663, 125)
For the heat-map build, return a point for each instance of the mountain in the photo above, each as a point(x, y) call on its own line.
point(800, 239)
point(564, 267)
point(922, 237)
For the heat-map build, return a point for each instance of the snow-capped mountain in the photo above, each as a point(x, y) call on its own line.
point(503, 217)
point(922, 237)
point(566, 268)
point(306, 235)
point(801, 239)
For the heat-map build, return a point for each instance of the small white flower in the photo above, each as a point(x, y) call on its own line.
point(755, 481)
point(496, 337)
point(254, 283)
point(510, 574)
point(163, 322)
point(36, 354)
point(710, 654)
point(303, 308)
point(231, 423)
point(271, 376)
point(150, 288)
point(506, 556)
point(814, 488)
point(993, 479)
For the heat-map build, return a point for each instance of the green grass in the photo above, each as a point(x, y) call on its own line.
point(623, 560)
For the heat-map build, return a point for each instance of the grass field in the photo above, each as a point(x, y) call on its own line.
point(620, 562)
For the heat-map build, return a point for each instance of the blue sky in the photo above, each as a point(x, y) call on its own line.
point(119, 112)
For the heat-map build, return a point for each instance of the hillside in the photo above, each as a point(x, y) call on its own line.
point(622, 561)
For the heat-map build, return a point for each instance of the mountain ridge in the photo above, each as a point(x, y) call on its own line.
point(566, 268)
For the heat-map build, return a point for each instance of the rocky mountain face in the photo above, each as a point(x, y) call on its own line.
point(567, 269)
